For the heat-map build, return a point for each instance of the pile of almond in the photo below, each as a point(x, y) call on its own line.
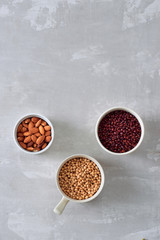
point(33, 134)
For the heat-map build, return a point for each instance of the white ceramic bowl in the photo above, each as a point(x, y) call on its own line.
point(61, 205)
point(29, 116)
point(127, 110)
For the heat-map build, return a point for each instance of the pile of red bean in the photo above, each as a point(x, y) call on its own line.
point(119, 131)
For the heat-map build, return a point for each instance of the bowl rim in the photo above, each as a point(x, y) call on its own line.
point(29, 115)
point(127, 110)
point(100, 169)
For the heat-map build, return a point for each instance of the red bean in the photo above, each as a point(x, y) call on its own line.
point(119, 131)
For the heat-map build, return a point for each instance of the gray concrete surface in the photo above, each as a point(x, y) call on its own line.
point(71, 60)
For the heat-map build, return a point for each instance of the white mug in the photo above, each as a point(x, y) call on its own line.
point(65, 199)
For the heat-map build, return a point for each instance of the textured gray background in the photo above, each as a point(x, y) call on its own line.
point(71, 60)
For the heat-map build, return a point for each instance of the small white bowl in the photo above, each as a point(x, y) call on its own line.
point(29, 116)
point(65, 199)
point(127, 110)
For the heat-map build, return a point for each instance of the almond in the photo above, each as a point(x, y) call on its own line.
point(19, 128)
point(34, 138)
point(33, 130)
point(19, 134)
point(40, 145)
point(26, 134)
point(37, 134)
point(30, 149)
point(47, 128)
point(48, 133)
point(20, 139)
point(48, 138)
point(41, 130)
point(29, 144)
point(27, 120)
point(38, 123)
point(43, 123)
point(36, 149)
point(44, 145)
point(24, 124)
point(40, 139)
point(34, 145)
point(27, 139)
point(23, 145)
point(35, 119)
point(23, 129)
point(30, 125)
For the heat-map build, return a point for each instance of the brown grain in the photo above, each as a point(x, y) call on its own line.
point(79, 178)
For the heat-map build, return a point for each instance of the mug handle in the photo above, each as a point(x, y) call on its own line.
point(61, 205)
